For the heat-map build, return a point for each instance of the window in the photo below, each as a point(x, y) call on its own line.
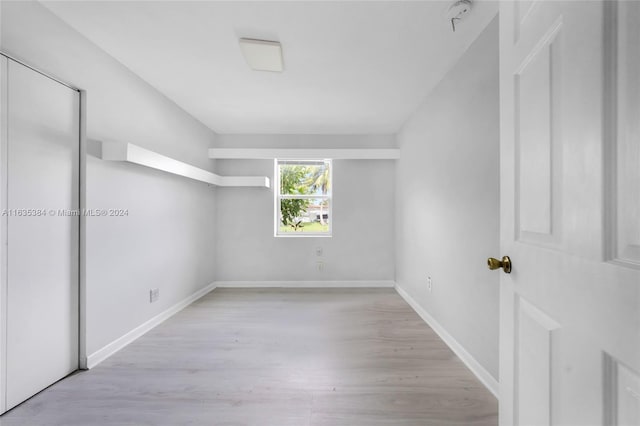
point(303, 198)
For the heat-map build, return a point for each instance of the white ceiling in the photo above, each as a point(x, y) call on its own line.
point(350, 67)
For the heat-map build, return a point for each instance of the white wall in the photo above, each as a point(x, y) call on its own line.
point(167, 241)
point(448, 201)
point(361, 248)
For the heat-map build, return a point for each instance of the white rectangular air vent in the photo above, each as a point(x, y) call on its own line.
point(262, 55)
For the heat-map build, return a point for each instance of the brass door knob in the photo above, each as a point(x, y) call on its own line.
point(505, 264)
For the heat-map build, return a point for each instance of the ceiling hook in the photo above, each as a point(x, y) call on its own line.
point(458, 11)
point(453, 24)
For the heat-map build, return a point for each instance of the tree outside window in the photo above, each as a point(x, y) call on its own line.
point(303, 198)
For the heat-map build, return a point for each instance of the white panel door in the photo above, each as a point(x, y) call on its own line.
point(570, 213)
point(42, 249)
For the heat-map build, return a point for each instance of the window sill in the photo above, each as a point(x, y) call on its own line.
point(303, 235)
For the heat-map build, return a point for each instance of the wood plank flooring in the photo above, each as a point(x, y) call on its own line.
point(275, 357)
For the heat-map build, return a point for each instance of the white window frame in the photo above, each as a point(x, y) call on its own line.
point(278, 197)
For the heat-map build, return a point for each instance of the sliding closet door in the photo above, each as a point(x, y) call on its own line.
point(42, 232)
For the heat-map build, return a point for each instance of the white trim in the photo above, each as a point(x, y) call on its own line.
point(476, 368)
point(123, 151)
point(82, 237)
point(297, 154)
point(305, 284)
point(113, 347)
point(304, 197)
point(4, 224)
point(15, 58)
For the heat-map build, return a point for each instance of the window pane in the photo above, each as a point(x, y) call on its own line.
point(305, 178)
point(304, 216)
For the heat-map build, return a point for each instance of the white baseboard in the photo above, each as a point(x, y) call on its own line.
point(113, 347)
point(305, 284)
point(480, 372)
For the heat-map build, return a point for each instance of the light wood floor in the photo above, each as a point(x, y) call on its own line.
point(275, 357)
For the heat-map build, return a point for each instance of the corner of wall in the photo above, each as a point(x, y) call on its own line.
point(447, 207)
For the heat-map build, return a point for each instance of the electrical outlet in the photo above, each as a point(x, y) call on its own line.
point(429, 284)
point(318, 251)
point(320, 266)
point(154, 295)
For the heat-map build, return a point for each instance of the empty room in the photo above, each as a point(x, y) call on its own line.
point(320, 213)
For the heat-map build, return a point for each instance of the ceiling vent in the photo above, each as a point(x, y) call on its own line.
point(262, 55)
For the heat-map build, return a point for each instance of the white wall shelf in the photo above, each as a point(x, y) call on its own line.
point(301, 154)
point(122, 151)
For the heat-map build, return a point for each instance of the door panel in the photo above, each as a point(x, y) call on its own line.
point(537, 83)
point(533, 371)
point(570, 188)
point(627, 167)
point(627, 411)
point(42, 250)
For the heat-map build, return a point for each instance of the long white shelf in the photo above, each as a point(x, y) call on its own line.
point(123, 151)
point(303, 154)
